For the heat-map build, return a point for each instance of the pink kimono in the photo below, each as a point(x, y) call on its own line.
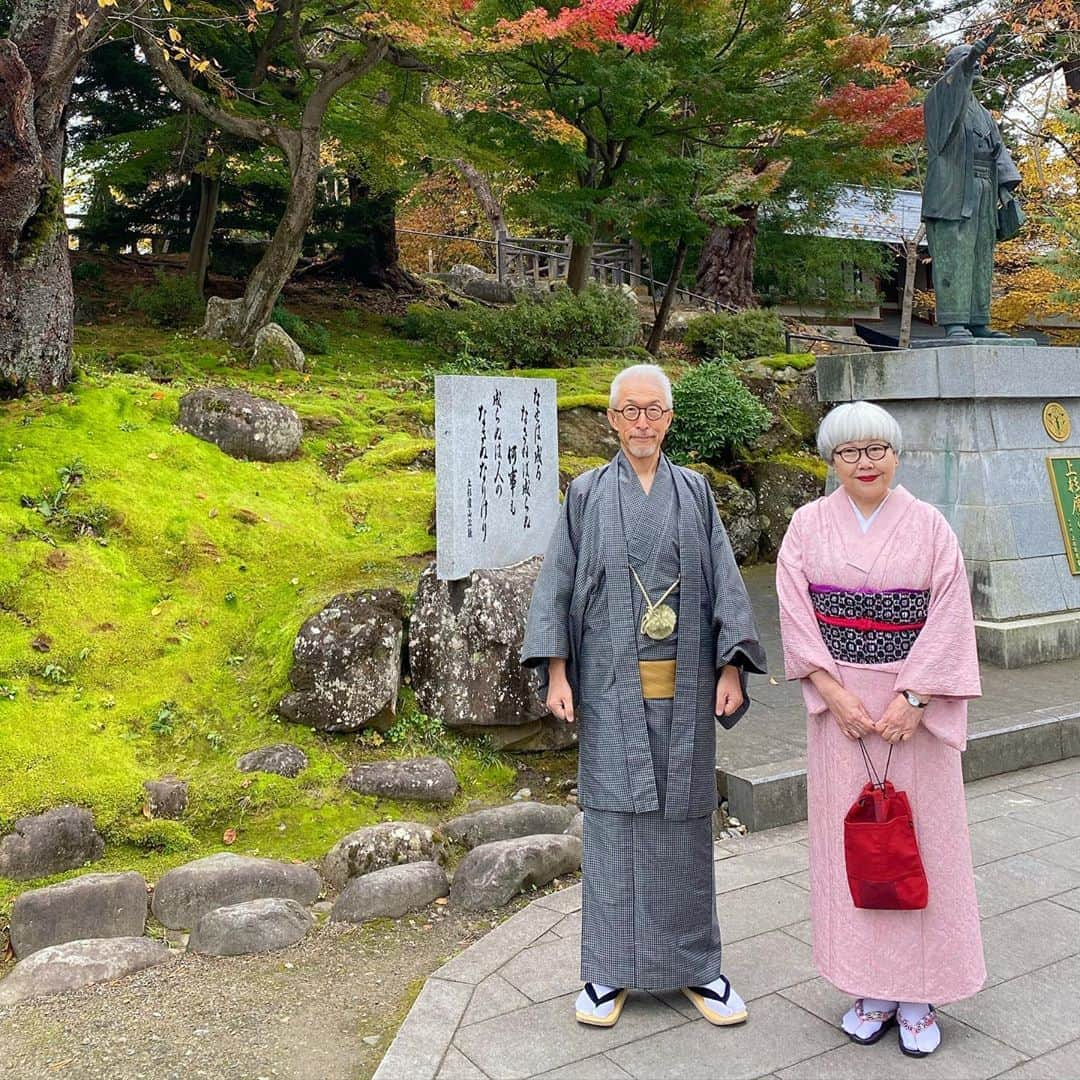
point(884, 612)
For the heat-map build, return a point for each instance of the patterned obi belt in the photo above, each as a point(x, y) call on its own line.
point(869, 626)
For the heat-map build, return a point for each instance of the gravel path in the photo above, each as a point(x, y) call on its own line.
point(324, 1009)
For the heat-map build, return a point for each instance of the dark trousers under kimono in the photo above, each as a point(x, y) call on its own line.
point(648, 913)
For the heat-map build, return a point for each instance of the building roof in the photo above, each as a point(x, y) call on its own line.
point(868, 214)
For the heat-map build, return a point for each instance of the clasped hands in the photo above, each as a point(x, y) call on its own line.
point(897, 723)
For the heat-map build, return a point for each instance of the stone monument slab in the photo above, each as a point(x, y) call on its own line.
point(977, 446)
point(496, 471)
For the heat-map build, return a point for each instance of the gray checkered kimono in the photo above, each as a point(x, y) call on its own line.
point(647, 769)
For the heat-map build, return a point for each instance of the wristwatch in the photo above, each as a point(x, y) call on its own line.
point(913, 700)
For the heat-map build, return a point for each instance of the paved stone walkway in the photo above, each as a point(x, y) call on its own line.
point(504, 1007)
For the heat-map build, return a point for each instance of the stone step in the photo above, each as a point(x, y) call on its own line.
point(765, 796)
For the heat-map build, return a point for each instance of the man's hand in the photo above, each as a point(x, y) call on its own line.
point(560, 699)
point(978, 50)
point(729, 695)
point(899, 721)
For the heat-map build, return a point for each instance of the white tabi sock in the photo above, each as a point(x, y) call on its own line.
point(584, 1003)
point(921, 1031)
point(872, 1010)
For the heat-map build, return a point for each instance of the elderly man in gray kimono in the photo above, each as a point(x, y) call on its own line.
point(643, 632)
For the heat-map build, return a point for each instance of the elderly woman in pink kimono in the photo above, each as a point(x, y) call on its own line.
point(876, 620)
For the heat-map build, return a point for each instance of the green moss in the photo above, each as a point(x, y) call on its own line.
point(808, 463)
point(574, 466)
point(798, 361)
point(584, 401)
point(170, 638)
point(799, 421)
point(397, 451)
point(44, 224)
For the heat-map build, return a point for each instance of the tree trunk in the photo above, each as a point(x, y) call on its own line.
point(277, 264)
point(37, 303)
point(1071, 70)
point(484, 195)
point(911, 256)
point(726, 267)
point(199, 253)
point(579, 270)
point(369, 253)
point(657, 334)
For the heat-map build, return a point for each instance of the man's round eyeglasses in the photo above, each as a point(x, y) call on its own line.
point(873, 452)
point(631, 412)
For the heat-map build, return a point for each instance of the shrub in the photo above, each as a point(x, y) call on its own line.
point(312, 337)
point(714, 413)
point(172, 301)
point(548, 332)
point(745, 334)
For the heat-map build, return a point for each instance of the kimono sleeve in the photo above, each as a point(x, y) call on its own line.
point(943, 110)
point(737, 640)
point(804, 649)
point(547, 628)
point(944, 662)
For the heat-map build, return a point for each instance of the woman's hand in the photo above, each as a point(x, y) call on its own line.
point(899, 721)
point(848, 711)
point(729, 695)
point(560, 699)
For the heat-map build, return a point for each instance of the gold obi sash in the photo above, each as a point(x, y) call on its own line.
point(657, 679)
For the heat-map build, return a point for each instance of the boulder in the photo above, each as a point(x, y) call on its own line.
point(585, 432)
point(222, 319)
point(281, 759)
point(390, 893)
point(273, 346)
point(576, 827)
point(782, 487)
point(427, 779)
point(391, 843)
point(463, 272)
point(240, 424)
point(488, 289)
point(739, 512)
point(166, 798)
point(464, 639)
point(75, 964)
point(347, 664)
point(187, 893)
point(493, 874)
point(60, 839)
point(255, 926)
point(91, 906)
point(507, 822)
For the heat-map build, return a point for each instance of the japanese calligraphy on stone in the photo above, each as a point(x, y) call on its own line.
point(496, 471)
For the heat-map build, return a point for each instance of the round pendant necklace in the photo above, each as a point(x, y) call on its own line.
point(659, 620)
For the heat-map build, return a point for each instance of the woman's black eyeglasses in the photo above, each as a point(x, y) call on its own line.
point(631, 412)
point(873, 452)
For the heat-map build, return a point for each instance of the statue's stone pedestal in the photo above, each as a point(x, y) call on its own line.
point(976, 448)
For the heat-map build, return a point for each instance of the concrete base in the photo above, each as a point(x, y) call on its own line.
point(765, 796)
point(1016, 643)
point(948, 342)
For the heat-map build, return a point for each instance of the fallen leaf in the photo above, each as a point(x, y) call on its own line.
point(152, 456)
point(442, 900)
point(158, 395)
point(229, 836)
point(146, 811)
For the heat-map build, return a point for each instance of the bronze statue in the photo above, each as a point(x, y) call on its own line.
point(968, 202)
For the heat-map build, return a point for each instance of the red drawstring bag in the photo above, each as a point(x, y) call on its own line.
point(884, 868)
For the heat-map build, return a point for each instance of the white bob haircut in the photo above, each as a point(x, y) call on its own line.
point(641, 371)
point(857, 421)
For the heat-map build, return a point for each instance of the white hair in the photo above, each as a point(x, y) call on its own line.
point(641, 371)
point(857, 421)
